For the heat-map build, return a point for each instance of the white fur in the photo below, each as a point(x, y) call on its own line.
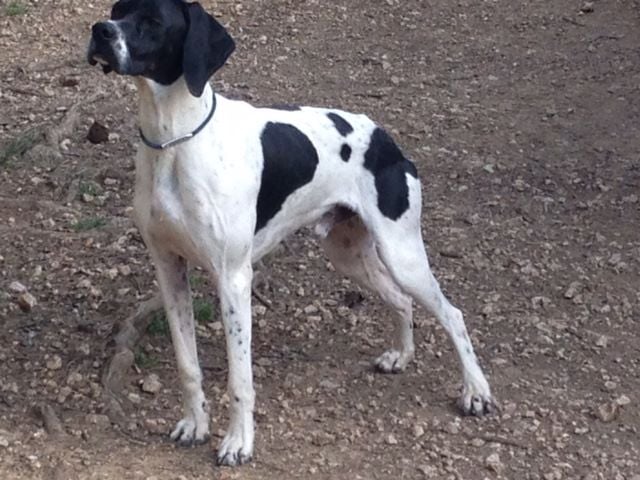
point(196, 202)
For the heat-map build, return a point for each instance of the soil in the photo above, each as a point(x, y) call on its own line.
point(523, 119)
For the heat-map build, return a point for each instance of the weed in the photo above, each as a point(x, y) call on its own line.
point(144, 359)
point(20, 145)
point(159, 325)
point(15, 8)
point(202, 311)
point(89, 224)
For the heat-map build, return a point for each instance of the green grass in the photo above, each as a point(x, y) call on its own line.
point(159, 325)
point(202, 311)
point(15, 8)
point(20, 145)
point(144, 360)
point(90, 223)
point(196, 280)
point(90, 188)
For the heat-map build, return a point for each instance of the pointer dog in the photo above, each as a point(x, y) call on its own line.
point(219, 183)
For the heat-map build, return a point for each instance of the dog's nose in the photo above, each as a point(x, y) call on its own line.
point(104, 31)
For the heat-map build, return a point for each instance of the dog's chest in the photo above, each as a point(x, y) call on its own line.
point(169, 208)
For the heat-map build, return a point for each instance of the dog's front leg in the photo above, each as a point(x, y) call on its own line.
point(171, 272)
point(234, 285)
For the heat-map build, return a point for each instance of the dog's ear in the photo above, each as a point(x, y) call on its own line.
point(206, 48)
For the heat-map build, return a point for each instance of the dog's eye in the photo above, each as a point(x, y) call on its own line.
point(146, 24)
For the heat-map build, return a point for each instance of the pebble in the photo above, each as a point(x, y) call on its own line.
point(17, 287)
point(493, 463)
point(391, 440)
point(623, 400)
point(151, 384)
point(27, 302)
point(453, 428)
point(54, 363)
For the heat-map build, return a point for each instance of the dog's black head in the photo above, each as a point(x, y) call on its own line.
point(161, 40)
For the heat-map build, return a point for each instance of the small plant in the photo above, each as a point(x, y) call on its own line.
point(144, 360)
point(196, 280)
point(202, 311)
point(90, 223)
point(159, 325)
point(20, 145)
point(89, 188)
point(15, 8)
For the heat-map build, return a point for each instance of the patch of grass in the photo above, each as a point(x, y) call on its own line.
point(20, 145)
point(90, 188)
point(89, 224)
point(196, 280)
point(159, 325)
point(144, 360)
point(202, 311)
point(15, 8)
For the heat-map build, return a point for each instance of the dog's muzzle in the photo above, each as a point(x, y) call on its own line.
point(105, 47)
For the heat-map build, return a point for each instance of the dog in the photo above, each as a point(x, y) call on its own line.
point(219, 183)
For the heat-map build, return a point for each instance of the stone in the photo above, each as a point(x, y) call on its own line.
point(151, 384)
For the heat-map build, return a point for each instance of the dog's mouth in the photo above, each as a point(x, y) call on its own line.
point(96, 58)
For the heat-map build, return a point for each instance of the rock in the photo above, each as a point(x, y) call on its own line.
point(98, 419)
point(151, 384)
point(98, 133)
point(429, 471)
point(418, 431)
point(17, 287)
point(26, 302)
point(391, 440)
point(156, 426)
point(623, 400)
point(587, 7)
point(4, 443)
point(452, 428)
point(572, 291)
point(607, 412)
point(54, 363)
point(493, 463)
point(478, 442)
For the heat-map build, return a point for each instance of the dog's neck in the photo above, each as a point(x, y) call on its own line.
point(167, 112)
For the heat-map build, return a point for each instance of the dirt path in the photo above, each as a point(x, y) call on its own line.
point(524, 121)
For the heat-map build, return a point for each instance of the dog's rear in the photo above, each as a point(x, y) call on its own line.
point(219, 183)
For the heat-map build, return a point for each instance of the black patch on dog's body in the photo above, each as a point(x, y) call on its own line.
point(290, 162)
point(389, 166)
point(343, 127)
point(345, 152)
point(284, 106)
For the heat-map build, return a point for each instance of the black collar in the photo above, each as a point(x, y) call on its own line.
point(183, 138)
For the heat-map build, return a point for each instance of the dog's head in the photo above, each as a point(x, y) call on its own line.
point(161, 40)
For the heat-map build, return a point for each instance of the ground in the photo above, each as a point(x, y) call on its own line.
point(523, 119)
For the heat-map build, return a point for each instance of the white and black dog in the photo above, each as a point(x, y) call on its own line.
point(219, 183)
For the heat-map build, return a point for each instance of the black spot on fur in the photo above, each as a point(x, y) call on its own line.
point(389, 167)
point(284, 106)
point(290, 161)
point(345, 152)
point(343, 127)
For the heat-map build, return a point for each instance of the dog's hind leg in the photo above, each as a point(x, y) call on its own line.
point(399, 243)
point(351, 249)
point(176, 295)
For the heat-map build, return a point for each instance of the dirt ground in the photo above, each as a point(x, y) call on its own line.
point(524, 121)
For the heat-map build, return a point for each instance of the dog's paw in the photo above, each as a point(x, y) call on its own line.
point(392, 361)
point(188, 432)
point(236, 447)
point(476, 400)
